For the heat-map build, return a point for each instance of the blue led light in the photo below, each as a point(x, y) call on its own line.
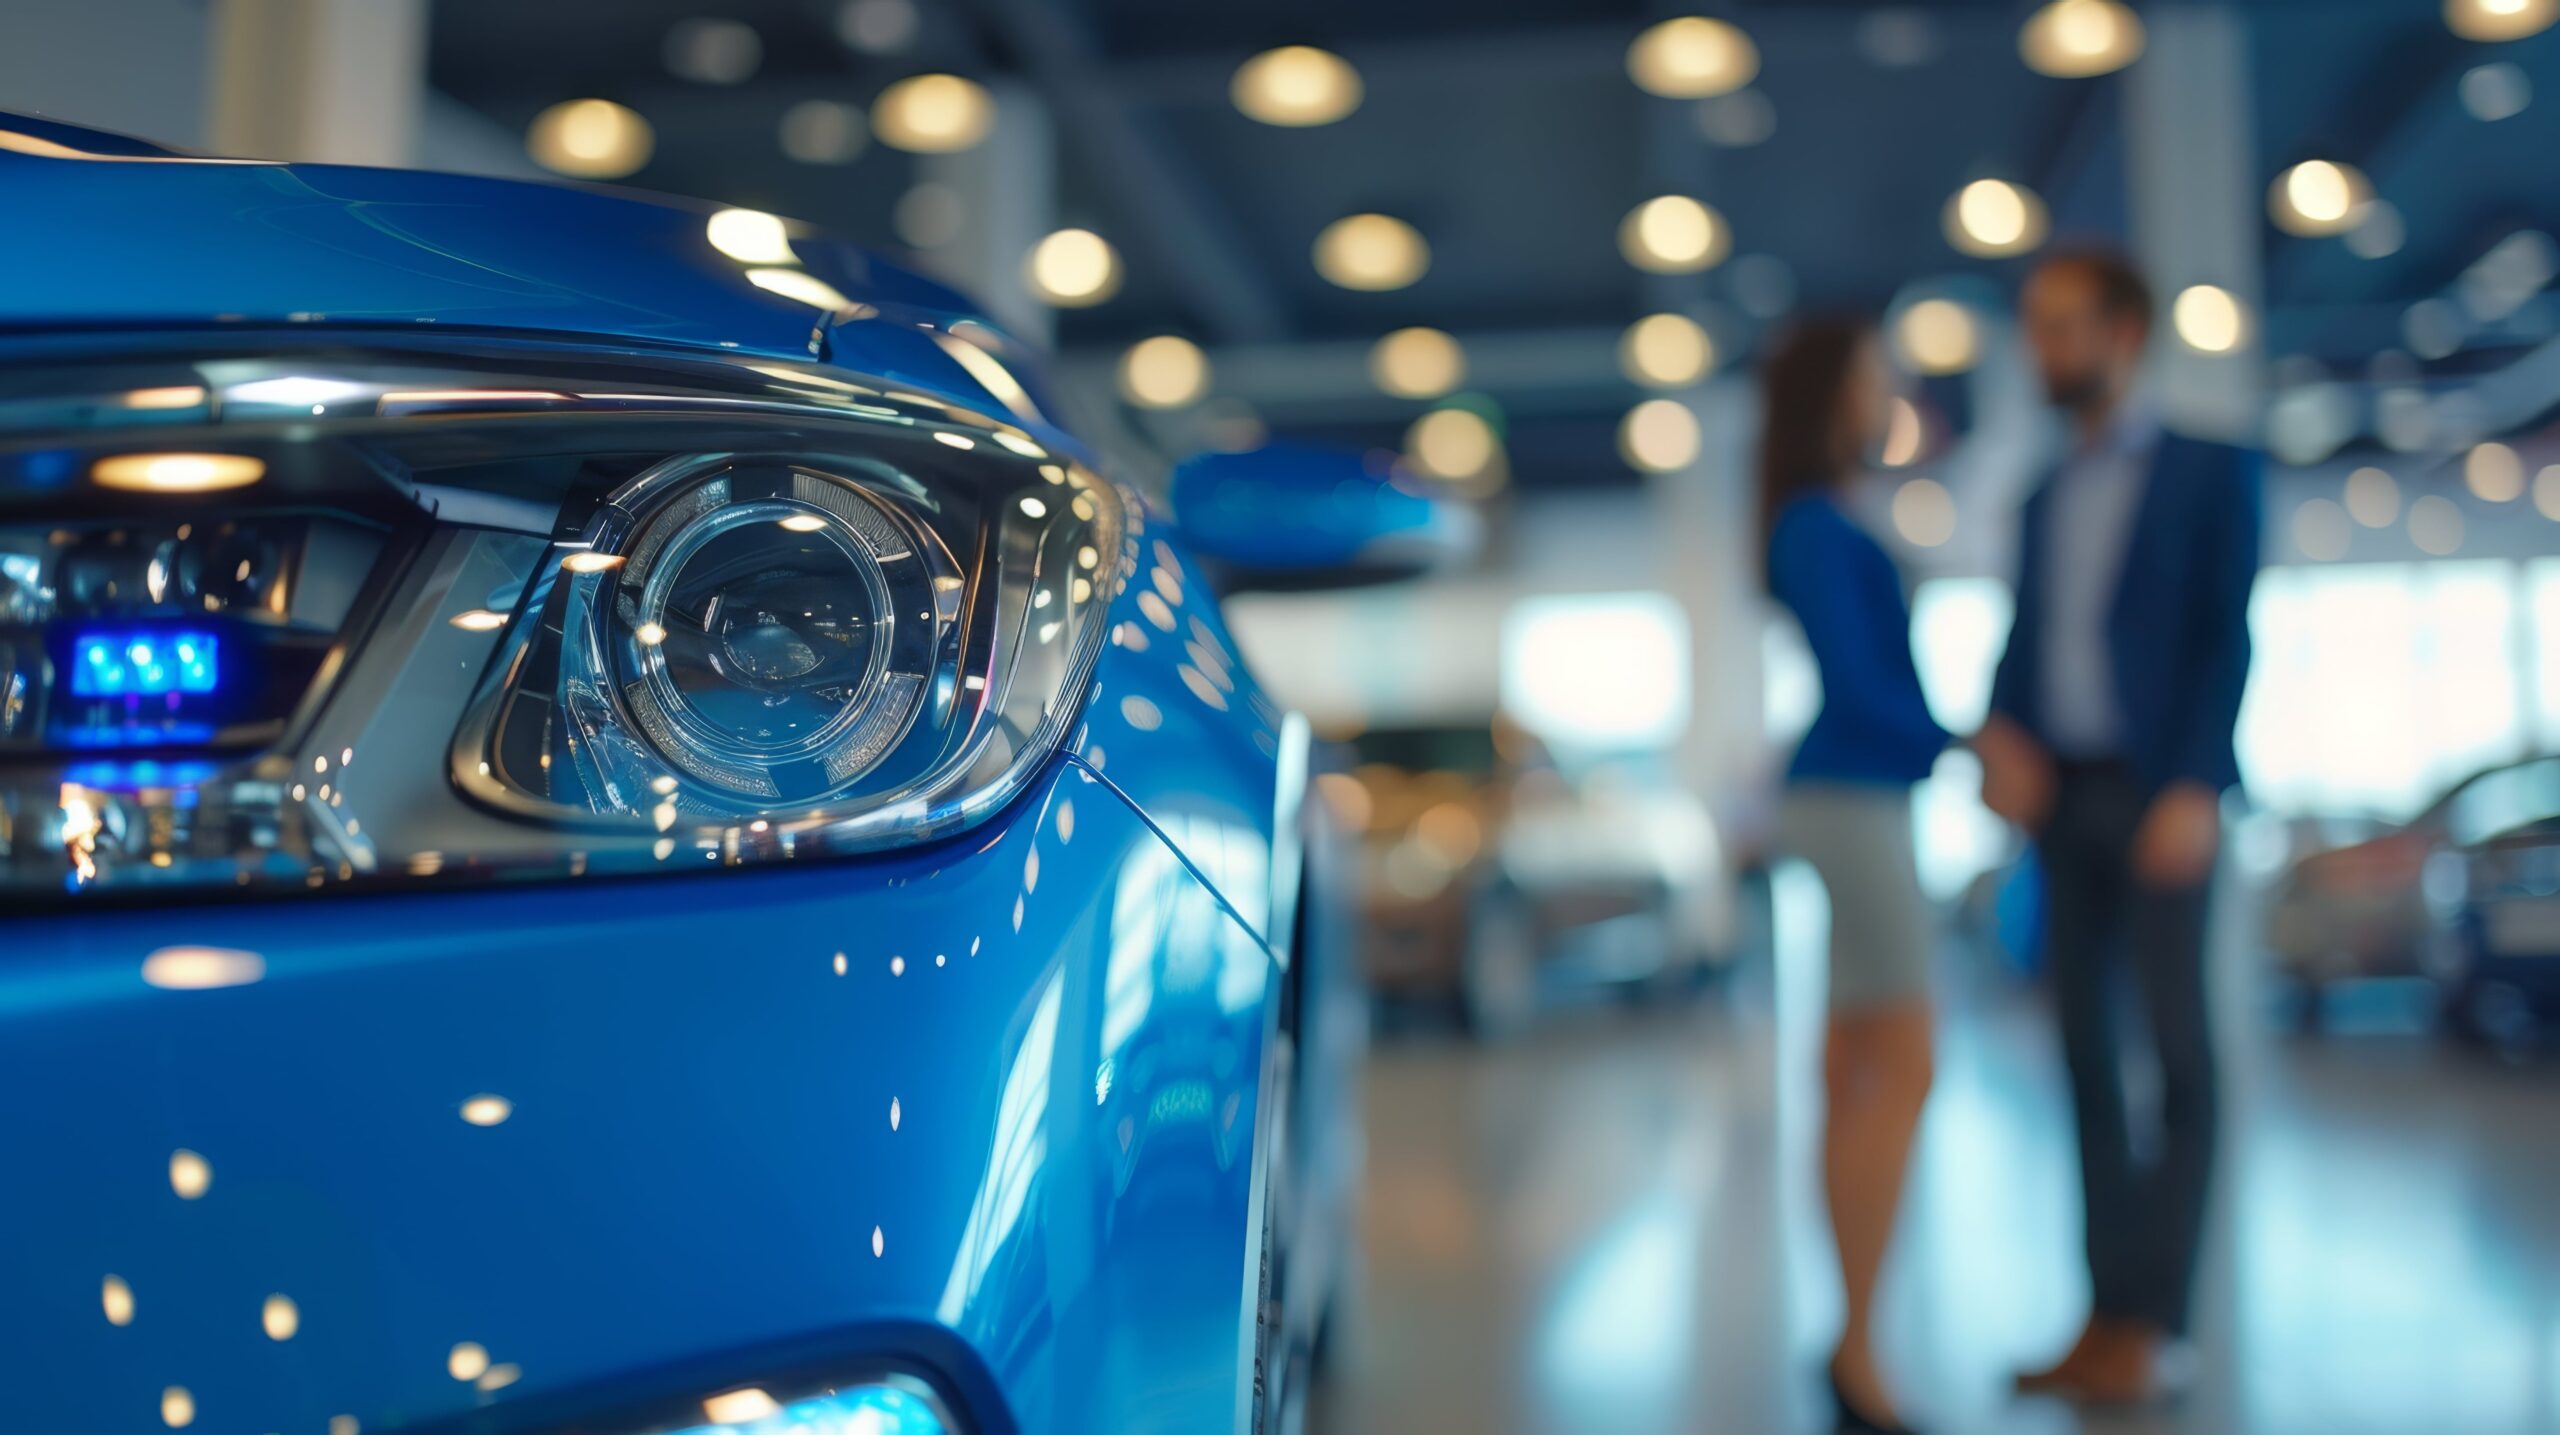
point(145, 664)
point(855, 1410)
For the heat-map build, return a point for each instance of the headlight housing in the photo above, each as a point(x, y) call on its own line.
point(480, 615)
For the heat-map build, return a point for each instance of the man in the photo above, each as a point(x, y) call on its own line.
point(2110, 741)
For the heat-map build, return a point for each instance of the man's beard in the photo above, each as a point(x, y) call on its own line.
point(2075, 393)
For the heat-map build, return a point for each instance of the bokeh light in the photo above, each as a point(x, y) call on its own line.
point(1296, 86)
point(590, 139)
point(933, 114)
point(1371, 252)
point(1165, 372)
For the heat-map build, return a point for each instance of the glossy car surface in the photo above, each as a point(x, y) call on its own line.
point(1033, 1114)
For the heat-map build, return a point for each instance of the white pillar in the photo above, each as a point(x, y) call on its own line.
point(318, 81)
point(1007, 189)
point(1707, 531)
point(2196, 205)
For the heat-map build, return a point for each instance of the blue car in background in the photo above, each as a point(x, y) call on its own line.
point(607, 826)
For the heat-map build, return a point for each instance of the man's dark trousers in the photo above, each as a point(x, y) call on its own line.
point(2107, 933)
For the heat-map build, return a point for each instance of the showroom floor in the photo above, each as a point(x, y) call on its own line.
point(1611, 1225)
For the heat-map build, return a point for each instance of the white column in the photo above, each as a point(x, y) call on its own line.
point(2197, 204)
point(1707, 530)
point(1007, 189)
point(320, 81)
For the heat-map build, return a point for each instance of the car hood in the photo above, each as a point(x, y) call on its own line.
point(110, 231)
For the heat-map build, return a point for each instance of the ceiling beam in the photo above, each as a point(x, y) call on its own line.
point(1166, 216)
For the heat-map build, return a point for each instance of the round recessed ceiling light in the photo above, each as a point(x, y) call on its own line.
point(2074, 39)
point(823, 132)
point(2209, 319)
point(1691, 57)
point(2500, 19)
point(1417, 363)
point(1666, 351)
point(1371, 251)
point(933, 114)
point(878, 27)
point(1992, 218)
point(1924, 513)
point(1165, 372)
point(1659, 436)
point(2318, 196)
point(1076, 268)
point(1296, 86)
point(1673, 234)
point(1937, 336)
point(1452, 443)
point(590, 139)
point(712, 52)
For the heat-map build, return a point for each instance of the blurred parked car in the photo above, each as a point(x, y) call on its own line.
point(1489, 874)
point(2467, 893)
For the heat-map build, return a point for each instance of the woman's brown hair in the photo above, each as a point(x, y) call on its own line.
point(1806, 442)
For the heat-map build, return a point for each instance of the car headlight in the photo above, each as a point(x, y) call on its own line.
point(892, 1405)
point(481, 617)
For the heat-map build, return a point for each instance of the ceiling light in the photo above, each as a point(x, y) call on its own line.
point(2077, 38)
point(1673, 234)
point(1451, 443)
point(1990, 218)
point(2496, 92)
point(1371, 251)
point(1417, 363)
point(1659, 436)
point(933, 114)
point(176, 472)
point(1898, 37)
point(929, 216)
point(2379, 232)
point(590, 139)
point(823, 132)
point(711, 52)
point(750, 236)
point(2435, 525)
point(878, 27)
point(2500, 19)
point(487, 1110)
point(1692, 57)
point(1937, 336)
point(1165, 372)
point(2494, 473)
point(2373, 499)
point(1666, 351)
point(1076, 268)
point(2318, 196)
point(1296, 86)
point(2546, 492)
point(2320, 530)
point(2209, 319)
point(1924, 513)
point(1738, 120)
point(1904, 433)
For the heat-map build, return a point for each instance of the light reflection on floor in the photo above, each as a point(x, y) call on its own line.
point(1609, 1225)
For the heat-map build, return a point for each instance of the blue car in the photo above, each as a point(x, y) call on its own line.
point(606, 825)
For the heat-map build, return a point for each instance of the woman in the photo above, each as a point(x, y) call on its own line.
point(1825, 395)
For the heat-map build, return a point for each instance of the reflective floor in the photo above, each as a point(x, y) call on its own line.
point(1613, 1225)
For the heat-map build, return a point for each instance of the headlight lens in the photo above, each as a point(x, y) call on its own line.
point(477, 619)
point(889, 1407)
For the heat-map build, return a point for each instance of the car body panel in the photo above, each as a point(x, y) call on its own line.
point(700, 1147)
point(1024, 1142)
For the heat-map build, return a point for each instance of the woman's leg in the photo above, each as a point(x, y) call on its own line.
point(1876, 1068)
